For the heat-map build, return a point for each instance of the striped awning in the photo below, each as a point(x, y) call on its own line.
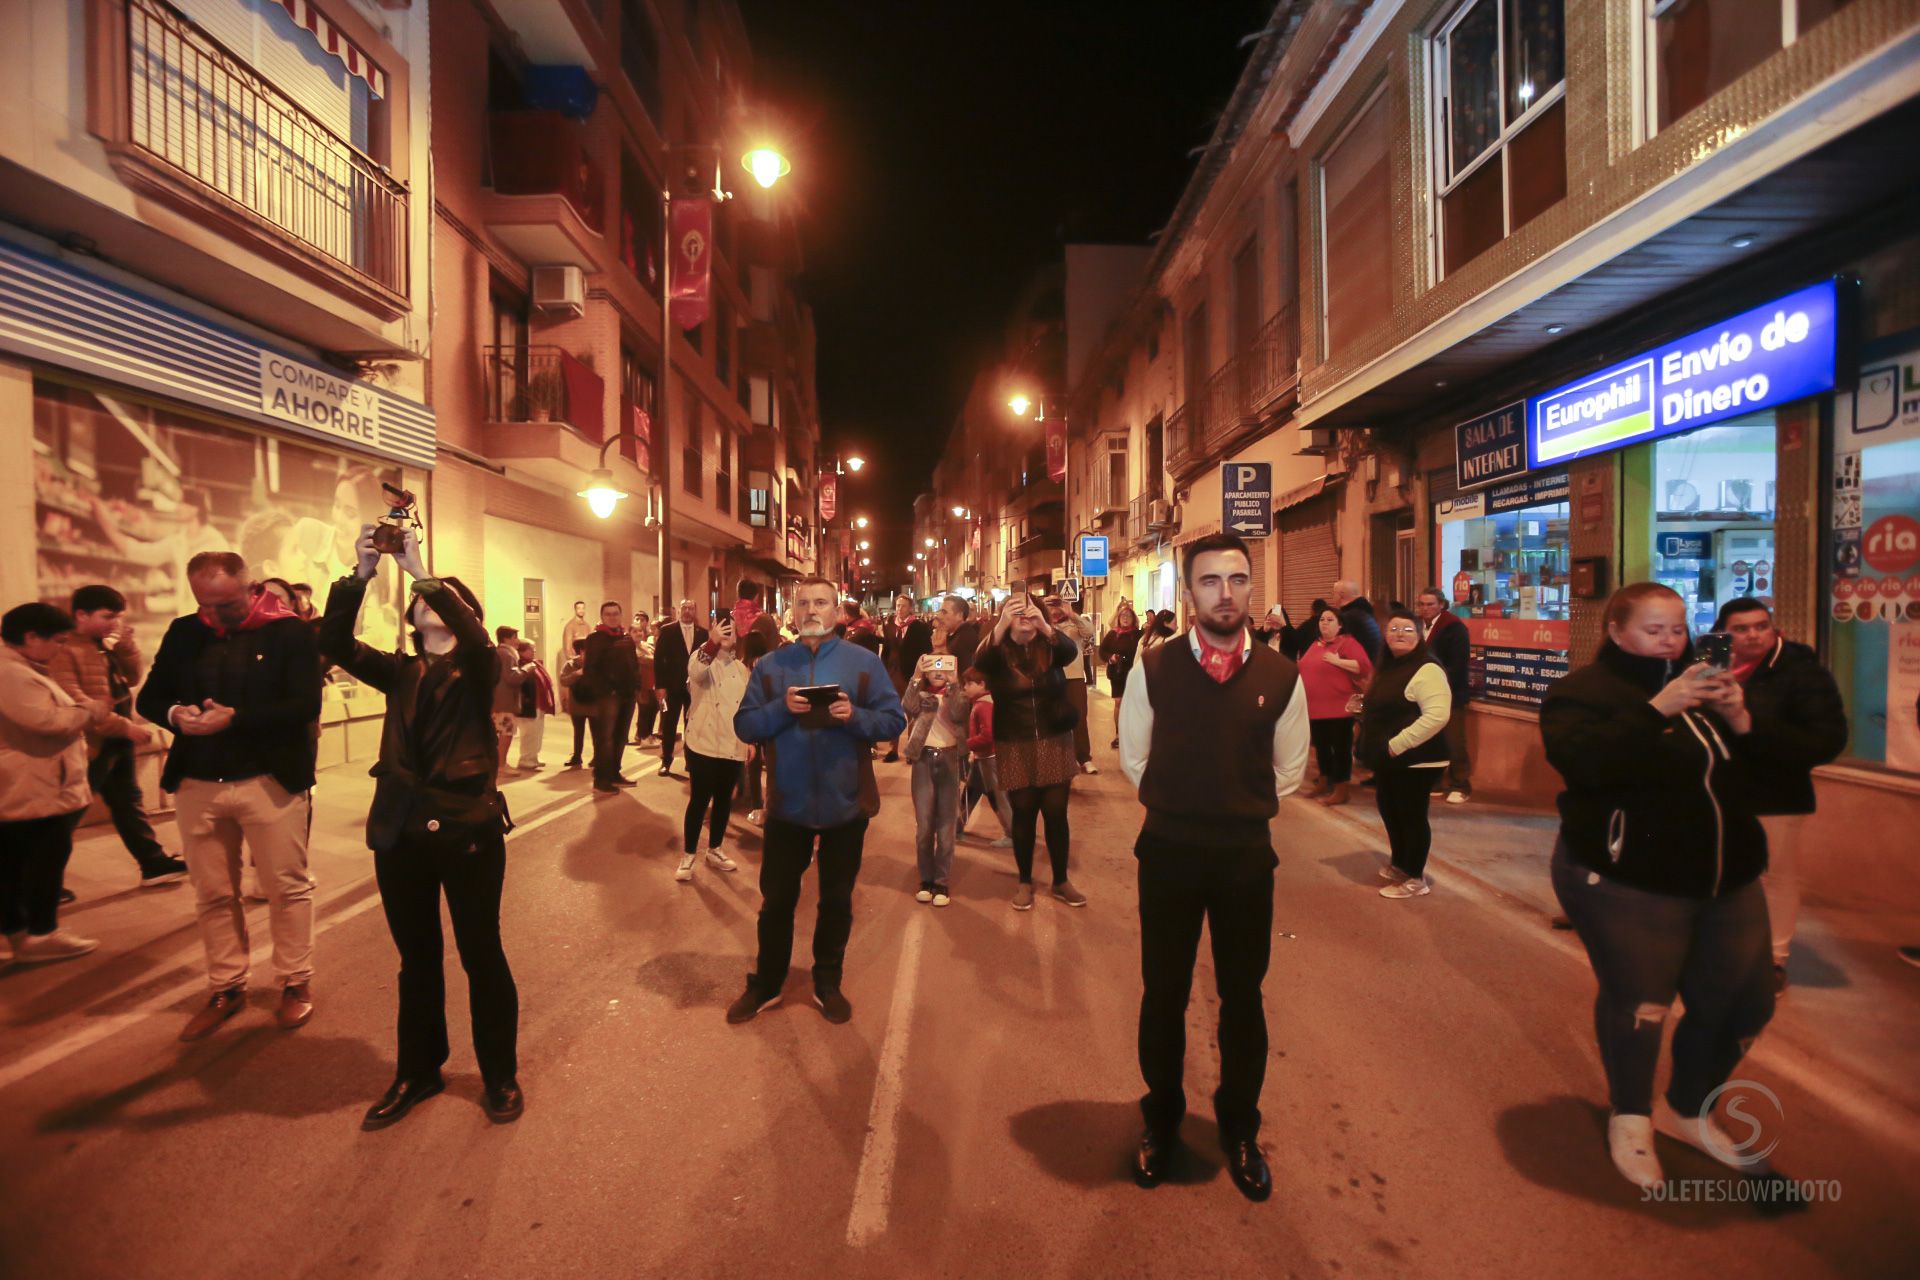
point(331, 40)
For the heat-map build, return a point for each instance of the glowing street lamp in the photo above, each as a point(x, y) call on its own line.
point(929, 542)
point(860, 522)
point(1020, 404)
point(865, 545)
point(866, 560)
point(855, 462)
point(959, 513)
point(602, 494)
point(766, 165)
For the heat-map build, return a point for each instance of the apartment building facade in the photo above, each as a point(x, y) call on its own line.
point(558, 128)
point(1526, 299)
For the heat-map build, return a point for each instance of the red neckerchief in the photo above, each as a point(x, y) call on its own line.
point(267, 607)
point(1741, 673)
point(1220, 664)
point(612, 631)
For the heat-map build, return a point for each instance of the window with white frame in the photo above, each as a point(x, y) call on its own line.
point(1699, 47)
point(1500, 145)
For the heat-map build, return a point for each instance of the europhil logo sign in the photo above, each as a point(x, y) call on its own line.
point(1776, 353)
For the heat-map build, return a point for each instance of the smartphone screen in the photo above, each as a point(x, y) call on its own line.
point(1715, 648)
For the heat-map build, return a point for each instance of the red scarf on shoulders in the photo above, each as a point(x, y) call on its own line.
point(267, 607)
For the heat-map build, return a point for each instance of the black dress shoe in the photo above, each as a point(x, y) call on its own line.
point(1151, 1159)
point(1248, 1168)
point(504, 1102)
point(399, 1099)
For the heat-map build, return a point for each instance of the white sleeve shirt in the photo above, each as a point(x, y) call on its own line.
point(1290, 732)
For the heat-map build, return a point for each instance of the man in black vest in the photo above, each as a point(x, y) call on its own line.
point(1211, 772)
point(672, 649)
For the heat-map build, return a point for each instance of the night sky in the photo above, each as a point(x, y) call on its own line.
point(942, 153)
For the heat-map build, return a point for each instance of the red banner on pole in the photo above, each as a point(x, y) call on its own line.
point(829, 498)
point(641, 450)
point(691, 223)
point(1057, 449)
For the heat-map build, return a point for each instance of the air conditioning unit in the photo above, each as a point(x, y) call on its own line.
point(560, 289)
point(1159, 514)
point(1316, 440)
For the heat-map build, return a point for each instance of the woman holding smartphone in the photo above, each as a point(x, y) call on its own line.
point(1658, 867)
point(1025, 662)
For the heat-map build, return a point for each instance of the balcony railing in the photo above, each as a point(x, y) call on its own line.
point(543, 384)
point(1234, 398)
point(1273, 362)
point(211, 119)
point(543, 153)
point(1182, 445)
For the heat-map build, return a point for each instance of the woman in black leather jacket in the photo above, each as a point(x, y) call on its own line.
point(438, 824)
point(1658, 867)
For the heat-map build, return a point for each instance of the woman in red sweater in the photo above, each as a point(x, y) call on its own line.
point(1333, 669)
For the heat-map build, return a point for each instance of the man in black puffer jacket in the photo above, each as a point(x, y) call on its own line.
point(1796, 699)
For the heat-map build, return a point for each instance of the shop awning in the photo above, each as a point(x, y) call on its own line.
point(1304, 493)
point(330, 39)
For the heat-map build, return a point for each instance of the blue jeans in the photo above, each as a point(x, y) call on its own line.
point(1715, 953)
point(936, 810)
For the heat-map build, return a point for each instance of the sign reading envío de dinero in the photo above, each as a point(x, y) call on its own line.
point(1776, 353)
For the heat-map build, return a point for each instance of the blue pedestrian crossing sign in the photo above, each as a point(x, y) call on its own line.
point(1093, 555)
point(1246, 498)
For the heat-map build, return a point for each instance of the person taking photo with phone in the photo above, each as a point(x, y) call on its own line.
point(1658, 864)
point(816, 707)
point(936, 709)
point(716, 681)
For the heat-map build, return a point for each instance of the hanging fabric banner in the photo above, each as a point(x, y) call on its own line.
point(691, 224)
point(829, 498)
point(1057, 449)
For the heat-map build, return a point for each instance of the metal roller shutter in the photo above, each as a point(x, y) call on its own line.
point(1257, 608)
point(1309, 556)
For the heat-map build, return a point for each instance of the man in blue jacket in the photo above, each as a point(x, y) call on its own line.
point(815, 708)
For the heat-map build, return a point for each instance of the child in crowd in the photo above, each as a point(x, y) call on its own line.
point(536, 704)
point(936, 740)
point(983, 777)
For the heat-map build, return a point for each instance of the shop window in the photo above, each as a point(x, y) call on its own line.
point(1874, 604)
point(1699, 47)
point(1713, 505)
point(1510, 563)
point(1499, 73)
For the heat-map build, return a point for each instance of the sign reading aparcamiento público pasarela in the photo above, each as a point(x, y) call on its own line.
point(1774, 354)
point(319, 399)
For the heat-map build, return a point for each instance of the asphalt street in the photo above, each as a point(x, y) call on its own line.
point(1434, 1100)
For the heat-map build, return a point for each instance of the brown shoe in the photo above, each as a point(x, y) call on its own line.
point(1336, 796)
point(1320, 787)
point(220, 1006)
point(296, 1006)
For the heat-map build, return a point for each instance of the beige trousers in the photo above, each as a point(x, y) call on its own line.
point(215, 818)
point(1781, 883)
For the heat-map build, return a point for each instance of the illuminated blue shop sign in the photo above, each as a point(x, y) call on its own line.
point(1776, 353)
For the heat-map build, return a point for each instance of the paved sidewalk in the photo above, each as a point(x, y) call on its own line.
point(1852, 1006)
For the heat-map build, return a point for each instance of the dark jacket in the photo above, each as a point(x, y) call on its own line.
point(1661, 804)
point(1451, 647)
point(903, 647)
point(1386, 713)
point(438, 749)
point(610, 668)
point(270, 676)
point(1026, 711)
point(964, 643)
point(671, 657)
point(1357, 620)
point(820, 771)
point(1799, 715)
point(1118, 649)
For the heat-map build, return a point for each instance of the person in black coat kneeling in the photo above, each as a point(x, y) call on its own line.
point(438, 823)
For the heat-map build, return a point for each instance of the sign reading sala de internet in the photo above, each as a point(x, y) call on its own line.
point(1773, 354)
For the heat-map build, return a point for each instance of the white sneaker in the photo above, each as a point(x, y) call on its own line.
point(941, 897)
point(720, 861)
point(1392, 874)
point(1411, 887)
point(1704, 1134)
point(1630, 1142)
point(925, 894)
point(685, 873)
point(61, 944)
point(1456, 797)
point(1089, 767)
point(1004, 842)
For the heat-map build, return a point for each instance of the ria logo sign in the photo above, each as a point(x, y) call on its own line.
point(1773, 354)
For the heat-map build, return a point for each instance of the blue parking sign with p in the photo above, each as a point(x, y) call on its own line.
point(1093, 555)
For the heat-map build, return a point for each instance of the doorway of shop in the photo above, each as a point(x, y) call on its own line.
point(533, 598)
point(1392, 575)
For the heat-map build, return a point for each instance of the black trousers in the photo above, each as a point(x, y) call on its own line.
point(471, 873)
point(1049, 804)
point(111, 775)
point(1333, 747)
point(784, 857)
point(610, 736)
point(1232, 891)
point(33, 861)
point(579, 734)
point(1082, 741)
point(674, 706)
point(712, 782)
point(1402, 795)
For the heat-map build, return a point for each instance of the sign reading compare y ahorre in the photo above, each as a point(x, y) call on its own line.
point(1491, 447)
point(319, 399)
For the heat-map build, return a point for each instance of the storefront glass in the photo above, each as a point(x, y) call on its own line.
point(1505, 562)
point(1874, 642)
point(125, 495)
point(1713, 509)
